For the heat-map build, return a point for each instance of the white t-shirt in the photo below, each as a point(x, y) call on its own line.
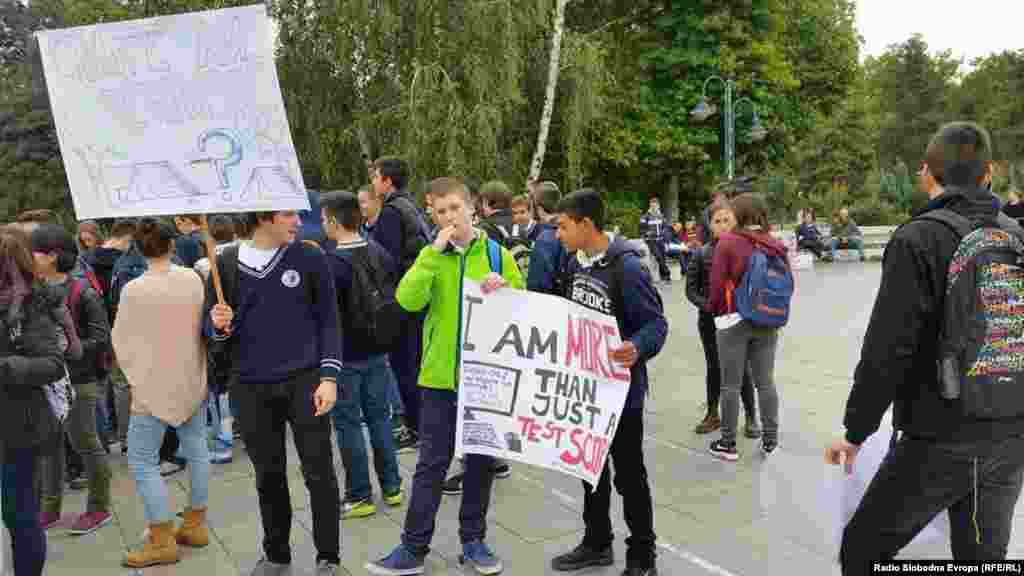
point(256, 258)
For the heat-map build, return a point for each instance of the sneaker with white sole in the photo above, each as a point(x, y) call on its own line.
point(724, 450)
point(480, 558)
point(358, 509)
point(400, 562)
point(90, 522)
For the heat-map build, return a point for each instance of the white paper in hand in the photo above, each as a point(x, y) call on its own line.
point(727, 321)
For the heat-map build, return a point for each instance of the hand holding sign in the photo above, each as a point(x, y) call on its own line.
point(626, 355)
point(492, 283)
point(222, 315)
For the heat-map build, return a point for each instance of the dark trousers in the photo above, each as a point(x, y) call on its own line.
point(437, 447)
point(405, 363)
point(658, 252)
point(627, 455)
point(815, 246)
point(977, 482)
point(21, 511)
point(713, 380)
point(264, 410)
point(169, 448)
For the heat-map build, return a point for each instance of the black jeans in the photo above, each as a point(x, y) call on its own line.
point(713, 380)
point(658, 252)
point(264, 410)
point(919, 479)
point(627, 455)
point(405, 363)
point(437, 446)
point(815, 246)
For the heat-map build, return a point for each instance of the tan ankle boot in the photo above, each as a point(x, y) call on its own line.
point(710, 423)
point(193, 531)
point(160, 548)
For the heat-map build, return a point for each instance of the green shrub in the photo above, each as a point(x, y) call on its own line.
point(877, 213)
point(625, 215)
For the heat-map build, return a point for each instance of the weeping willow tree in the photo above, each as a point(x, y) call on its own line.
point(453, 86)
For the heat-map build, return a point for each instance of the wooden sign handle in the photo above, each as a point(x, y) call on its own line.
point(211, 254)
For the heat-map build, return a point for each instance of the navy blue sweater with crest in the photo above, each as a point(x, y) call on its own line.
point(286, 320)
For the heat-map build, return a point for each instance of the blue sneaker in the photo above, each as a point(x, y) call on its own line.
point(480, 558)
point(401, 562)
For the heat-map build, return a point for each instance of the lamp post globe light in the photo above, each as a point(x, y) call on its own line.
point(704, 110)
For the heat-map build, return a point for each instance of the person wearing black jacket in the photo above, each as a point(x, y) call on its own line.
point(944, 460)
point(30, 358)
point(698, 284)
point(55, 255)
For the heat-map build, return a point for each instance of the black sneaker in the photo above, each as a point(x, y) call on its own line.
point(724, 451)
point(406, 442)
point(582, 557)
point(768, 445)
point(501, 470)
point(452, 486)
point(634, 571)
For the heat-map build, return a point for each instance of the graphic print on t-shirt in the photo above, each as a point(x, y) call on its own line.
point(593, 293)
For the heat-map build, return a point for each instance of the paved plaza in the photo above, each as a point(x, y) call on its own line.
point(712, 518)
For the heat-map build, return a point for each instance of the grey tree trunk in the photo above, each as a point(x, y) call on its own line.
point(554, 61)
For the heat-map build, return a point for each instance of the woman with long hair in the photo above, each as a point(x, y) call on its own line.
point(159, 345)
point(739, 341)
point(30, 359)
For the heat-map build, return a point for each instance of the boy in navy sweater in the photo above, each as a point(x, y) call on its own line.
point(605, 269)
point(366, 375)
point(548, 257)
point(282, 333)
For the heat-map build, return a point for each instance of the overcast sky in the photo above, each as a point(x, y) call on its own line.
point(970, 28)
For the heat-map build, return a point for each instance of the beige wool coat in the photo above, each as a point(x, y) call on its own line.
point(159, 345)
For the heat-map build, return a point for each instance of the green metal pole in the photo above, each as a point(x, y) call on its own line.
point(730, 131)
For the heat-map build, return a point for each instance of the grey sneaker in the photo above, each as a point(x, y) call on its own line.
point(325, 568)
point(268, 568)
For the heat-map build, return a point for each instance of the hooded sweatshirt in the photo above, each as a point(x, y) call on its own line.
point(730, 264)
point(641, 318)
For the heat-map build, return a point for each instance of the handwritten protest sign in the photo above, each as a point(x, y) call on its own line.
point(536, 382)
point(172, 115)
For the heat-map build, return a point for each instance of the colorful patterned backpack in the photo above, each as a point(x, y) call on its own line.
point(981, 352)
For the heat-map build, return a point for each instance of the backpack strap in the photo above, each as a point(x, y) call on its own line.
point(961, 226)
point(494, 256)
point(74, 301)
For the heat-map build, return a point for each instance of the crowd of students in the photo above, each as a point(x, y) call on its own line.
point(358, 324)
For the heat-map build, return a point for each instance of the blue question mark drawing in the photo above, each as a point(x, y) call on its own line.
point(221, 165)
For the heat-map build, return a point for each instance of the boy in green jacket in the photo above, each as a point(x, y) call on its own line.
point(435, 282)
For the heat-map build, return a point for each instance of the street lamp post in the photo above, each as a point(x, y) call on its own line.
point(703, 110)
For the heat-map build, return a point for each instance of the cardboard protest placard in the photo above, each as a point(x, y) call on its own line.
point(172, 115)
point(536, 384)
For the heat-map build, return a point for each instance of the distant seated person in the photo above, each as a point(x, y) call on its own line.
point(1014, 208)
point(808, 237)
point(846, 235)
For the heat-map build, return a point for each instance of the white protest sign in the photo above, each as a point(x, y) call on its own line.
point(536, 383)
point(172, 115)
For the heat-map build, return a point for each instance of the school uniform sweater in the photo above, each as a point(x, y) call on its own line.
point(286, 320)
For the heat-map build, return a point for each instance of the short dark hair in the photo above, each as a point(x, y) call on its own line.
point(547, 195)
point(222, 229)
point(343, 206)
point(41, 216)
point(393, 168)
point(750, 210)
point(584, 203)
point(439, 187)
point(253, 219)
point(154, 237)
point(497, 194)
point(52, 239)
point(123, 227)
point(958, 154)
point(242, 228)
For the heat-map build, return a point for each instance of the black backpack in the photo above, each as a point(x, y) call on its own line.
point(981, 347)
point(371, 311)
point(415, 229)
point(520, 246)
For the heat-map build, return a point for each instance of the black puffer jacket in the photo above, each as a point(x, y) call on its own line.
point(899, 358)
point(93, 331)
point(698, 277)
point(25, 416)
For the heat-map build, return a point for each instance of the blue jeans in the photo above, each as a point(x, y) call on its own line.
point(437, 446)
point(220, 410)
point(394, 396)
point(21, 511)
point(145, 435)
point(363, 387)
